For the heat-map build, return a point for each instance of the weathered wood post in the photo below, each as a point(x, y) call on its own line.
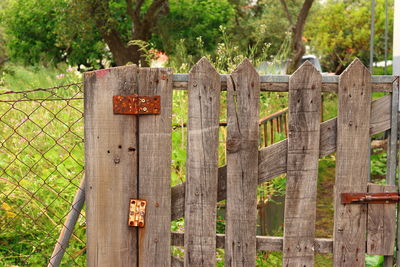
point(128, 156)
point(111, 168)
point(302, 166)
point(352, 163)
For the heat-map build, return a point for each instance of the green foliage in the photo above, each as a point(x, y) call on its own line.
point(340, 31)
point(189, 20)
point(265, 23)
point(36, 32)
point(378, 164)
point(30, 30)
point(374, 261)
point(381, 70)
point(225, 59)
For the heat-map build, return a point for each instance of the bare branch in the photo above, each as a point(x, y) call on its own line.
point(155, 10)
point(134, 13)
point(301, 19)
point(129, 9)
point(288, 15)
point(138, 6)
point(298, 48)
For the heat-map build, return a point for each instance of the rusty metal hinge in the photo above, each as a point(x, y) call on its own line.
point(136, 105)
point(137, 211)
point(370, 198)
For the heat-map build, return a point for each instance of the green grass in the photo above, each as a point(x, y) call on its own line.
point(19, 78)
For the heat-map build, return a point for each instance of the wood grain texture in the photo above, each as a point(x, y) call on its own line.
point(302, 166)
point(283, 86)
point(110, 171)
point(264, 243)
point(381, 223)
point(352, 164)
point(155, 168)
point(202, 165)
point(391, 162)
point(273, 160)
point(176, 262)
point(242, 166)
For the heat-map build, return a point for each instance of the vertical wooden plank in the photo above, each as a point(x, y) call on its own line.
point(285, 124)
point(242, 165)
point(110, 169)
point(392, 151)
point(392, 137)
point(155, 168)
point(381, 223)
point(265, 134)
point(272, 131)
point(202, 165)
point(278, 124)
point(302, 167)
point(352, 163)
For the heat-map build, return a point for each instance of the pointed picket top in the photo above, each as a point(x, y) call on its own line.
point(306, 66)
point(242, 165)
point(204, 65)
point(204, 86)
point(308, 70)
point(245, 65)
point(355, 67)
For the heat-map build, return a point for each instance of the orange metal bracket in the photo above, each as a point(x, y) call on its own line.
point(136, 105)
point(370, 198)
point(137, 211)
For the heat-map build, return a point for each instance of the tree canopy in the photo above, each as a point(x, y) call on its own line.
point(340, 31)
point(95, 32)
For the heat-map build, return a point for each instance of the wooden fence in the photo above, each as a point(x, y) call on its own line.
point(129, 157)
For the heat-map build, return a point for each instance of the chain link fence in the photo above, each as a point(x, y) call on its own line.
point(41, 167)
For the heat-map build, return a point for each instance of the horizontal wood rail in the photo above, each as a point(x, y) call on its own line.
point(272, 159)
point(273, 116)
point(262, 120)
point(280, 83)
point(266, 243)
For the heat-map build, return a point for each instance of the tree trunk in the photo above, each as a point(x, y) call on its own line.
point(122, 53)
point(298, 48)
point(142, 27)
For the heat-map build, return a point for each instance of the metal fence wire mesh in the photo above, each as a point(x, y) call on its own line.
point(41, 166)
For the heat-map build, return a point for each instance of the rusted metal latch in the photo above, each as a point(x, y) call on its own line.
point(136, 105)
point(370, 198)
point(137, 211)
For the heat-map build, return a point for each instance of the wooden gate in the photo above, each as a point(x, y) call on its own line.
point(129, 156)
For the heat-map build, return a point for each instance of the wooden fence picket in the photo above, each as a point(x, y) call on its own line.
point(110, 168)
point(302, 166)
point(381, 223)
point(154, 169)
point(242, 166)
point(202, 165)
point(352, 164)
